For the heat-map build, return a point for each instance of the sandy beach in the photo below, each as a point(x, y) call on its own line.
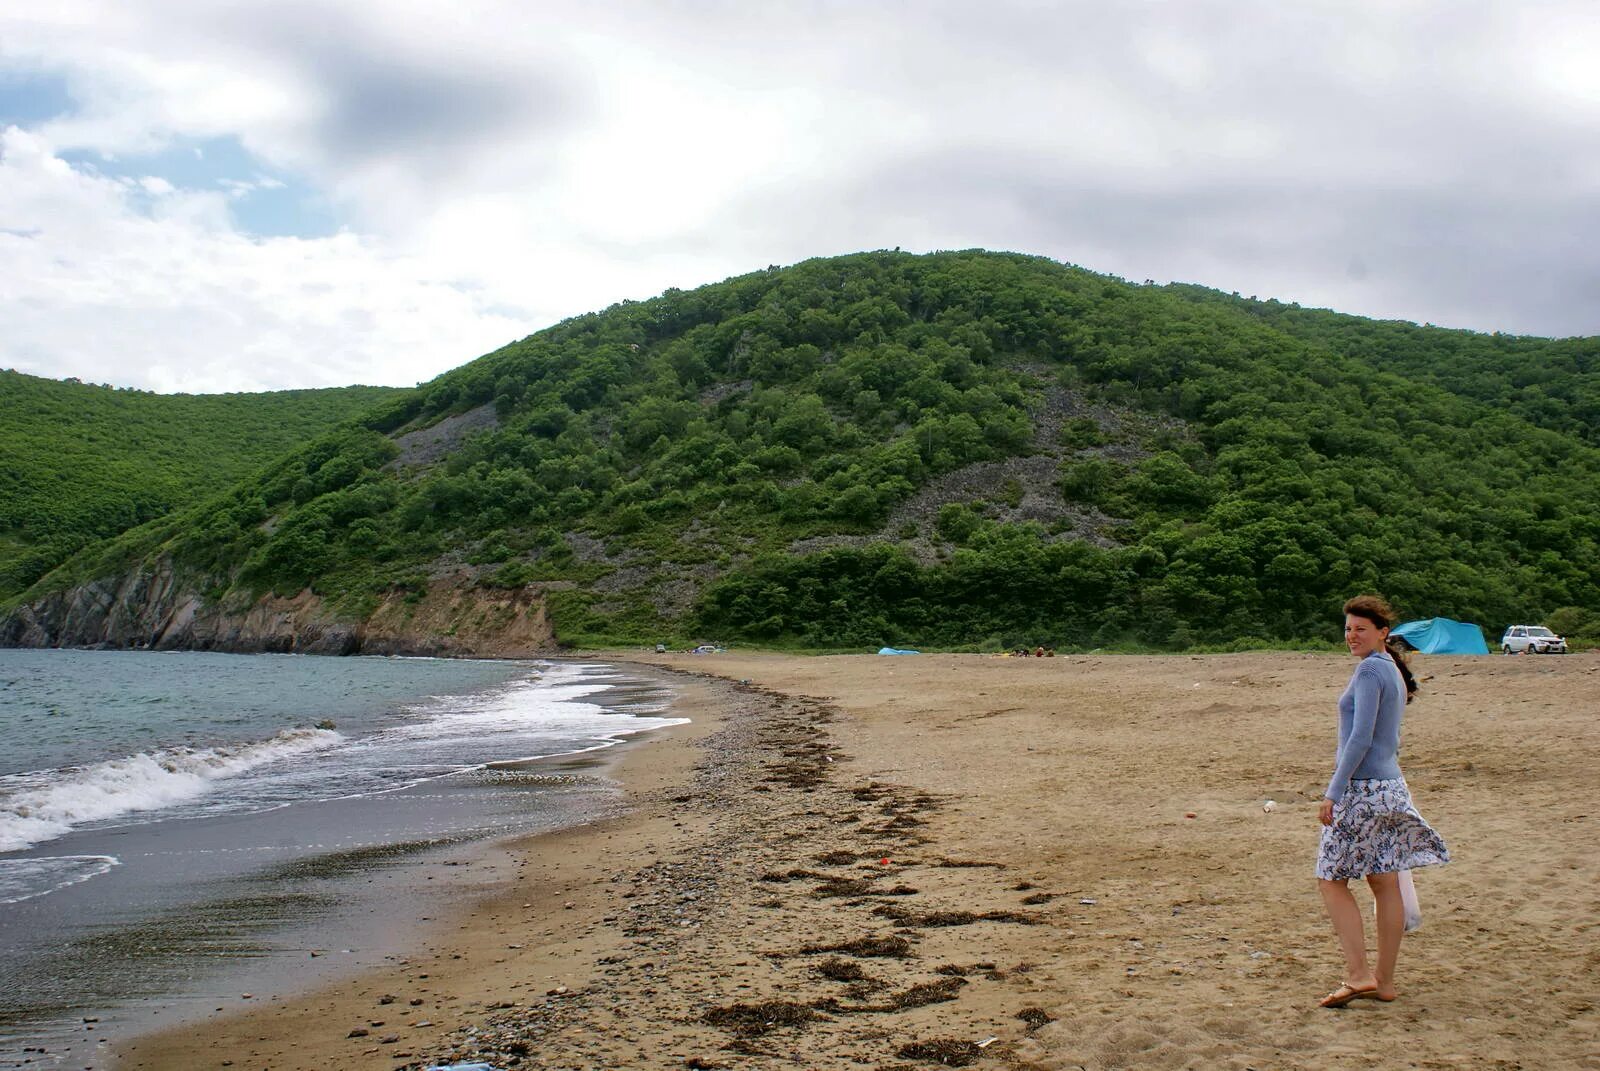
point(860, 861)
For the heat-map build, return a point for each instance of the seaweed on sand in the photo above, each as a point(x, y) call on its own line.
point(836, 858)
point(866, 948)
point(843, 887)
point(837, 886)
point(951, 1052)
point(796, 774)
point(901, 820)
point(841, 970)
point(907, 917)
point(945, 989)
point(780, 877)
point(753, 1020)
point(925, 993)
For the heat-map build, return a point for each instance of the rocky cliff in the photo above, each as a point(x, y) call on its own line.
point(157, 608)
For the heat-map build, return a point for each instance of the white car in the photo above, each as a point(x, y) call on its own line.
point(1532, 639)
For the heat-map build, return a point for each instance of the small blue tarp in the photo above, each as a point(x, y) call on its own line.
point(895, 650)
point(1440, 635)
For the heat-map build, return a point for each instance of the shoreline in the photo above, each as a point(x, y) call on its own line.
point(496, 888)
point(888, 863)
point(282, 898)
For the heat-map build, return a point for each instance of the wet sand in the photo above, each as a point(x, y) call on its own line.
point(875, 862)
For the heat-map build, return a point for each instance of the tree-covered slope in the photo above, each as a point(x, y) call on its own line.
point(952, 449)
point(1553, 383)
point(80, 462)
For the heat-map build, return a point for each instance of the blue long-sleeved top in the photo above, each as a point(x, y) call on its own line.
point(1369, 724)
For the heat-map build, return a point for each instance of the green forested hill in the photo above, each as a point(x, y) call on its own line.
point(1553, 383)
point(80, 462)
point(963, 448)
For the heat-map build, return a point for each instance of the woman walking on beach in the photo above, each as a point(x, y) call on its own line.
point(1370, 829)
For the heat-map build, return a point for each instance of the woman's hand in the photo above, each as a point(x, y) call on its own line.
point(1325, 812)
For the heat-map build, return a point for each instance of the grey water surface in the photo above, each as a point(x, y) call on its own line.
point(174, 826)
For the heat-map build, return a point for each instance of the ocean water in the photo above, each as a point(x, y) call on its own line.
point(168, 818)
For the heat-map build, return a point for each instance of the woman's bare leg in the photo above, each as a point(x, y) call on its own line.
point(1391, 926)
point(1346, 917)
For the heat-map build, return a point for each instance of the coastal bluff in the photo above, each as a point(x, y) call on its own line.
point(157, 607)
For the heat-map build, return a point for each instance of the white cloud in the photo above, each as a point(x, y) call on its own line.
point(174, 299)
point(1422, 160)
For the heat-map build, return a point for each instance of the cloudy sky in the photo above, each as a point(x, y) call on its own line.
point(210, 195)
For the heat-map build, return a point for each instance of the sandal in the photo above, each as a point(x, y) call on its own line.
point(1346, 993)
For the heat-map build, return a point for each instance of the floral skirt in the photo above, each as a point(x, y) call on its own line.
point(1377, 830)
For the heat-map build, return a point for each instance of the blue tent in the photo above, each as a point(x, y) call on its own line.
point(1440, 635)
point(896, 650)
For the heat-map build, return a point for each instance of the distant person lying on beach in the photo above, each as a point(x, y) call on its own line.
point(1370, 829)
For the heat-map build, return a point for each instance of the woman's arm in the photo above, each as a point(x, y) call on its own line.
point(1354, 748)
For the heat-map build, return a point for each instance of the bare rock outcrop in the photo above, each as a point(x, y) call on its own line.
point(424, 446)
point(157, 608)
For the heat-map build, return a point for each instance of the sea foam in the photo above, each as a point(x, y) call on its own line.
point(39, 806)
point(23, 879)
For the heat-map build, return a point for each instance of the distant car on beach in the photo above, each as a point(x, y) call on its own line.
point(1532, 639)
point(708, 648)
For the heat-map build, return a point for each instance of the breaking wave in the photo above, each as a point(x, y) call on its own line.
point(39, 806)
